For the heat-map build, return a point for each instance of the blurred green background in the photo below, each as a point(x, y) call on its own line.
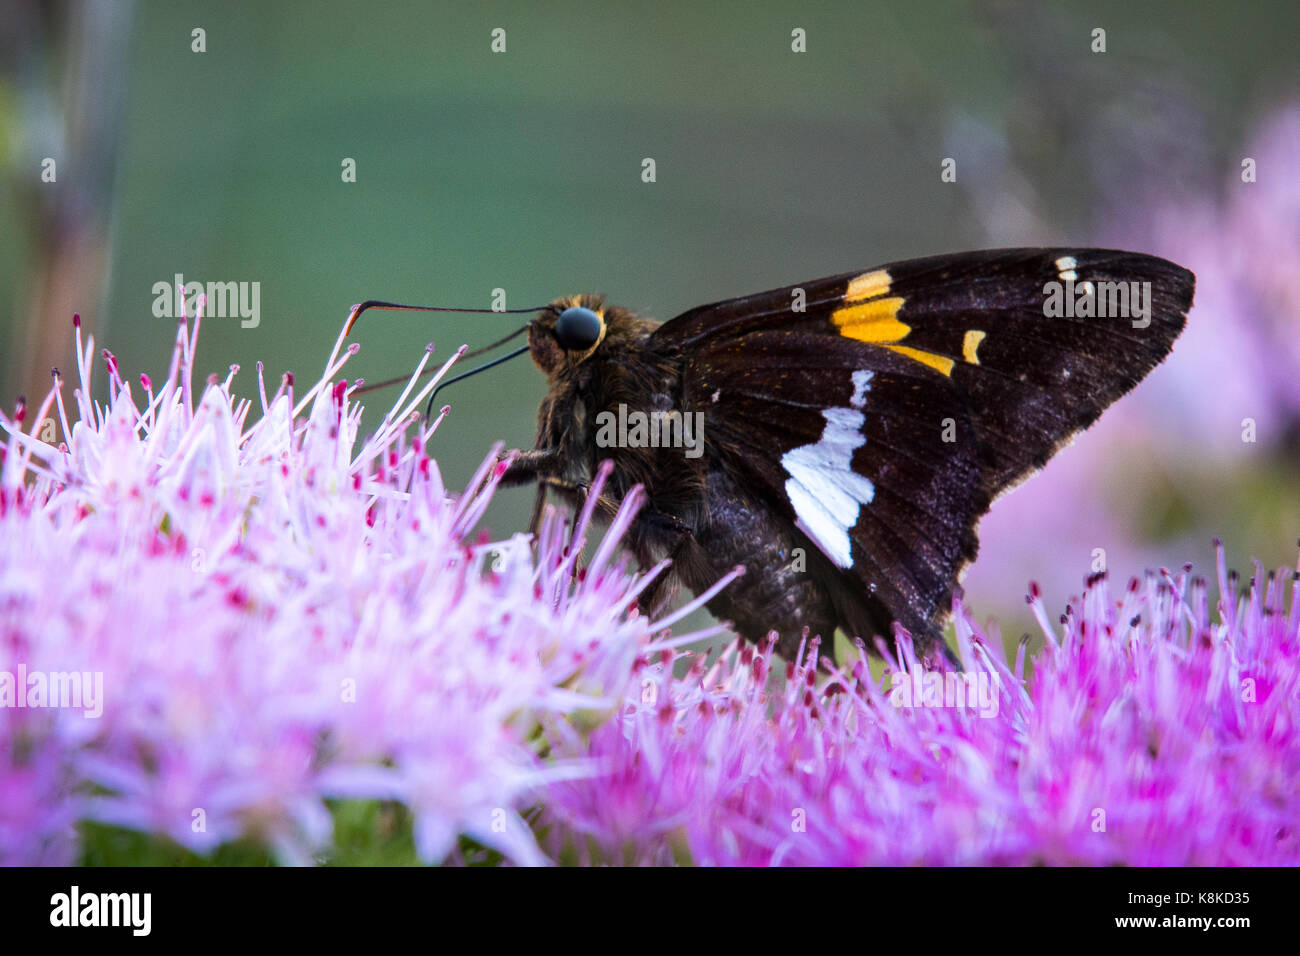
point(521, 170)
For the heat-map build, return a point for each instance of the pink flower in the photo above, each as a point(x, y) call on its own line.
point(280, 614)
point(214, 620)
point(1151, 734)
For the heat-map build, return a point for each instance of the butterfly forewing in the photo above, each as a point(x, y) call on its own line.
point(881, 411)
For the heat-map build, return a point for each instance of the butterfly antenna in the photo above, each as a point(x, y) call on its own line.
point(428, 409)
point(399, 307)
point(403, 379)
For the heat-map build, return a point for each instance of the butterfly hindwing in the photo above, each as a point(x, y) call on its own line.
point(846, 446)
point(881, 411)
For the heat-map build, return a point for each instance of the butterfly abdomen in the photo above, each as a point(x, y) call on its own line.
point(789, 585)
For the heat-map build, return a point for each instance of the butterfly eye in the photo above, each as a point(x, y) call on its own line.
point(577, 329)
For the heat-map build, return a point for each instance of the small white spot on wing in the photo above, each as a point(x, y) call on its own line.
point(1065, 267)
point(861, 385)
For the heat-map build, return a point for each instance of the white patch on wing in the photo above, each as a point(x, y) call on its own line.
point(825, 491)
point(1065, 267)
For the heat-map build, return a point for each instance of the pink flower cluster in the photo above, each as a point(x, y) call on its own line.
point(210, 626)
point(274, 617)
point(1149, 734)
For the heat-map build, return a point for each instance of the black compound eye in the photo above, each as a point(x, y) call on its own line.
point(577, 329)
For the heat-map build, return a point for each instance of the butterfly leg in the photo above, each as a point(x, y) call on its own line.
point(539, 504)
point(574, 493)
point(655, 533)
point(540, 465)
point(531, 465)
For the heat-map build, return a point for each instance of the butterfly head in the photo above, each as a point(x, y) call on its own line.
point(568, 331)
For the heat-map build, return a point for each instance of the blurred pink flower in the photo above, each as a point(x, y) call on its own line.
point(1240, 356)
point(1237, 366)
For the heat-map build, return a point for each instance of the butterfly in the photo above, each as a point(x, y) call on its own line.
point(840, 439)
